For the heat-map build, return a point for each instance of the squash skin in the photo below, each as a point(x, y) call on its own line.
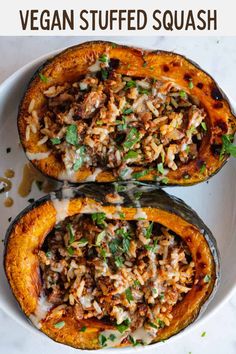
point(28, 231)
point(72, 62)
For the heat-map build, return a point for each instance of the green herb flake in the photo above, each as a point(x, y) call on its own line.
point(100, 237)
point(152, 248)
point(122, 327)
point(152, 68)
point(43, 78)
point(128, 294)
point(204, 126)
point(114, 245)
point(48, 254)
point(102, 340)
point(148, 231)
point(133, 341)
point(165, 180)
point(119, 188)
point(127, 111)
point(122, 215)
point(70, 250)
point(55, 141)
point(131, 155)
point(59, 325)
point(131, 83)
point(144, 65)
point(99, 218)
point(104, 74)
point(71, 233)
point(161, 323)
point(160, 168)
point(143, 91)
point(103, 253)
point(80, 152)
point(162, 297)
point(203, 168)
point(112, 337)
point(138, 195)
point(103, 58)
point(39, 184)
point(227, 146)
point(83, 329)
point(140, 174)
point(152, 325)
point(190, 85)
point(72, 134)
point(132, 138)
point(183, 94)
point(82, 242)
point(203, 334)
point(137, 283)
point(119, 261)
point(207, 278)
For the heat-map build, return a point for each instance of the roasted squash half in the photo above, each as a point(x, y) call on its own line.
point(102, 112)
point(89, 266)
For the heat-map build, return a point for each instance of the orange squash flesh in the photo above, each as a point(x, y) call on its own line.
point(69, 65)
point(28, 233)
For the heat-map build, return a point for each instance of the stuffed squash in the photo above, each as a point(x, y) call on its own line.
point(111, 266)
point(105, 112)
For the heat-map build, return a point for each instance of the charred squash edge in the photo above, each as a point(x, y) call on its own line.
point(175, 66)
point(22, 268)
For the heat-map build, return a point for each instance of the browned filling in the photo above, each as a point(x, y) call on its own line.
point(130, 273)
point(113, 121)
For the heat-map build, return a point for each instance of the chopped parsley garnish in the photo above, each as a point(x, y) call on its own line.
point(148, 231)
point(70, 250)
point(104, 74)
point(99, 218)
point(127, 111)
point(132, 138)
point(103, 58)
point(83, 329)
point(100, 237)
point(143, 91)
point(71, 233)
point(204, 126)
point(203, 168)
point(137, 283)
point(203, 334)
point(144, 65)
point(83, 242)
point(80, 159)
point(131, 155)
point(152, 325)
point(207, 278)
point(72, 134)
point(119, 188)
point(190, 85)
point(103, 253)
point(43, 78)
point(160, 168)
point(137, 195)
point(122, 327)
point(131, 83)
point(59, 325)
point(161, 323)
point(122, 215)
point(114, 245)
point(152, 248)
point(140, 174)
point(126, 244)
point(119, 261)
point(112, 337)
point(227, 146)
point(162, 297)
point(48, 254)
point(133, 341)
point(55, 141)
point(165, 180)
point(183, 94)
point(128, 294)
point(39, 184)
point(102, 340)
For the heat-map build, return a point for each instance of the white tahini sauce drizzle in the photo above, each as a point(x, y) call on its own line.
point(38, 155)
point(143, 335)
point(95, 67)
point(67, 175)
point(61, 206)
point(43, 306)
point(140, 214)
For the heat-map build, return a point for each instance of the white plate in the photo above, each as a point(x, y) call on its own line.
point(214, 201)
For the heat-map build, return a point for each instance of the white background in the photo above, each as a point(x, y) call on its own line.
point(216, 55)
